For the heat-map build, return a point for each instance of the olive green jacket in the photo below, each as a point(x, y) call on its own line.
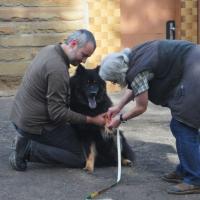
point(42, 101)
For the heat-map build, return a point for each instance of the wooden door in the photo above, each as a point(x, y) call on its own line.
point(198, 21)
point(143, 20)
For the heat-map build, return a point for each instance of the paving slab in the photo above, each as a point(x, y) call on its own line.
point(149, 137)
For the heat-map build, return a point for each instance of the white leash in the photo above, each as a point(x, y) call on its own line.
point(119, 170)
point(92, 195)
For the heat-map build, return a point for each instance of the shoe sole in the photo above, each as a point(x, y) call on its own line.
point(194, 191)
point(172, 180)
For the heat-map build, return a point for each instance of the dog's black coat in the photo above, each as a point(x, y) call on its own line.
point(89, 97)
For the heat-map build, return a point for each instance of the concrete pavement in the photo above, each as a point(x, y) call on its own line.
point(149, 137)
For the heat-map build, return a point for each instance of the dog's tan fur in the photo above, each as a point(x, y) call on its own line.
point(90, 160)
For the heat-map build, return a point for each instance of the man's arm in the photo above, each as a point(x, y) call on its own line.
point(140, 90)
point(57, 97)
point(126, 98)
point(114, 110)
point(99, 120)
point(141, 103)
point(140, 107)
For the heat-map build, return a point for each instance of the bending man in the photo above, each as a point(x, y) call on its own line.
point(166, 72)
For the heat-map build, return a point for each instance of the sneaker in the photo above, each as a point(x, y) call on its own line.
point(18, 158)
point(184, 188)
point(172, 177)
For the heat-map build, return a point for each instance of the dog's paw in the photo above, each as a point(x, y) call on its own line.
point(106, 133)
point(127, 163)
point(88, 169)
point(109, 131)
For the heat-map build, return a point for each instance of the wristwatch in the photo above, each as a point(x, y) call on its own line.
point(121, 118)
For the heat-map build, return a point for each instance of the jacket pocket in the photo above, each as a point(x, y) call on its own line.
point(179, 94)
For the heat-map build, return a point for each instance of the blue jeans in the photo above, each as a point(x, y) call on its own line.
point(188, 150)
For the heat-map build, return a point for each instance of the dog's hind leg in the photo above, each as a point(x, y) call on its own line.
point(127, 155)
point(126, 162)
point(90, 161)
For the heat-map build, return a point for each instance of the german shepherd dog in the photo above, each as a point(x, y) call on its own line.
point(89, 97)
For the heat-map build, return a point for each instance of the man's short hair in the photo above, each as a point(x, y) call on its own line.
point(83, 36)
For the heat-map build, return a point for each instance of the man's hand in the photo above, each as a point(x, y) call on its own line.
point(99, 120)
point(113, 123)
point(138, 109)
point(113, 111)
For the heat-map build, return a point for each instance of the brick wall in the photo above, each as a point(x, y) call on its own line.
point(28, 25)
point(104, 22)
point(189, 20)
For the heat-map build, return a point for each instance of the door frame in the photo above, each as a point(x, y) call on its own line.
point(178, 19)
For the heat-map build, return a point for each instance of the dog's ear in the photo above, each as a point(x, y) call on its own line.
point(97, 68)
point(80, 69)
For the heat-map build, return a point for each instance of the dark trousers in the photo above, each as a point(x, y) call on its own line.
point(59, 146)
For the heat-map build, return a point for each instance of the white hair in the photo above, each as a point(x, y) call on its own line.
point(114, 67)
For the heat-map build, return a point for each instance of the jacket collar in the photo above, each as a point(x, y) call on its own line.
point(62, 54)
